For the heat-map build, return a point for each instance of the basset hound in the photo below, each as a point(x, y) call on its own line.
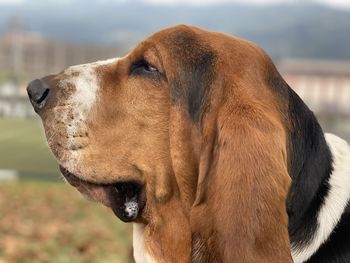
point(196, 139)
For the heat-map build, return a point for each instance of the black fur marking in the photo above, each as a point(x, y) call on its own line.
point(337, 248)
point(310, 168)
point(195, 72)
point(310, 165)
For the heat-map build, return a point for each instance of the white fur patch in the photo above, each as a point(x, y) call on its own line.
point(140, 253)
point(335, 201)
point(86, 82)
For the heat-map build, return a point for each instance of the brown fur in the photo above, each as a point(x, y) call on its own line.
point(214, 171)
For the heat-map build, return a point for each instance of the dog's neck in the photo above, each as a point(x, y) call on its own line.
point(335, 199)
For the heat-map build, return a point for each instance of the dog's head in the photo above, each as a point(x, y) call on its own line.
point(186, 134)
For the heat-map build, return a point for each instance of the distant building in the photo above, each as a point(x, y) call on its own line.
point(323, 84)
point(28, 55)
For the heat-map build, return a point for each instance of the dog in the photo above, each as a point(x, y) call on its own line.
point(196, 139)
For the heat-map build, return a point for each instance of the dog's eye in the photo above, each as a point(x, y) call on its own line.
point(150, 68)
point(142, 67)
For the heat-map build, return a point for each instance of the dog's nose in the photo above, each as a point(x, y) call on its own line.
point(38, 92)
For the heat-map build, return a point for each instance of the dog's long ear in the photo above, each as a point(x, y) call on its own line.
point(239, 214)
point(310, 165)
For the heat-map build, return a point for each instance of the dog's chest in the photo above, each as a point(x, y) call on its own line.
point(140, 253)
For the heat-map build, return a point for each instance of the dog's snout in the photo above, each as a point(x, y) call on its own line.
point(38, 92)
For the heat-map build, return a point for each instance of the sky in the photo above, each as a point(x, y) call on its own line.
point(334, 3)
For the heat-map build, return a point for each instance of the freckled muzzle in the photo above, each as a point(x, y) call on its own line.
point(125, 198)
point(66, 103)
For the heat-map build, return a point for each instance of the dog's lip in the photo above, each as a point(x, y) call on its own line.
point(107, 194)
point(76, 180)
point(73, 179)
point(93, 191)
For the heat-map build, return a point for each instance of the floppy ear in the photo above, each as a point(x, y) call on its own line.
point(239, 214)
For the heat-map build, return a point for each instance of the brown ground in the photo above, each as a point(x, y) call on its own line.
point(42, 222)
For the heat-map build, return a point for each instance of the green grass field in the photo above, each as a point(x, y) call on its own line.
point(23, 148)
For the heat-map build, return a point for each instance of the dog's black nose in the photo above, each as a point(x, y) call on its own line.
point(38, 92)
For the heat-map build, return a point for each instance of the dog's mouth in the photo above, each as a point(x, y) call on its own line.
point(126, 199)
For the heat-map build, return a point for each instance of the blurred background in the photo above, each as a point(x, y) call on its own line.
point(41, 219)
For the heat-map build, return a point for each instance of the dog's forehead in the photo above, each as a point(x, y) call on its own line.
point(181, 37)
point(178, 31)
point(167, 40)
point(183, 45)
